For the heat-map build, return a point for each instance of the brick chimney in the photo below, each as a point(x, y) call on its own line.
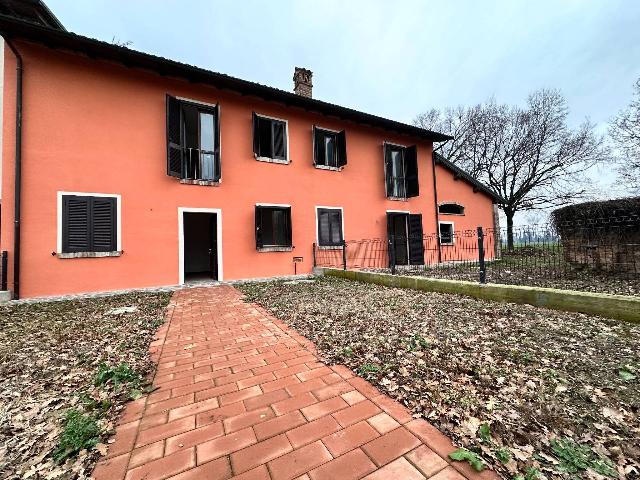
point(302, 84)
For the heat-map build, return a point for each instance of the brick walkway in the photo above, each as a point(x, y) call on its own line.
point(240, 395)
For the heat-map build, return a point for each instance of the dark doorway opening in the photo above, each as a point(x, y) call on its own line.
point(200, 246)
point(405, 234)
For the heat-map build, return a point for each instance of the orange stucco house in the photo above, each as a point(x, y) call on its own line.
point(129, 170)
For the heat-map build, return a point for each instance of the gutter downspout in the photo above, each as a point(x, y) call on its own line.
point(18, 173)
point(435, 198)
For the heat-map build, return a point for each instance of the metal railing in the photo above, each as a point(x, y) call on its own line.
point(595, 256)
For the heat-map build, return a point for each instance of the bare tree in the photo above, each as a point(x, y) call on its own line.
point(625, 133)
point(528, 156)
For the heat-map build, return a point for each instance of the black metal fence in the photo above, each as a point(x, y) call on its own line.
point(599, 256)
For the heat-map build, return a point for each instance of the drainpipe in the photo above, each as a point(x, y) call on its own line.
point(18, 173)
point(435, 199)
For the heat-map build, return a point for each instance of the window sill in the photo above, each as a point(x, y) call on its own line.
point(274, 160)
point(452, 214)
point(398, 199)
point(205, 183)
point(326, 167)
point(447, 244)
point(88, 254)
point(275, 249)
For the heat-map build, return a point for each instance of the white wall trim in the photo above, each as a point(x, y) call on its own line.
point(318, 226)
point(181, 212)
point(283, 205)
point(398, 211)
point(118, 198)
point(198, 102)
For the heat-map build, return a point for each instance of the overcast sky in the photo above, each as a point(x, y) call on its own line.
point(394, 58)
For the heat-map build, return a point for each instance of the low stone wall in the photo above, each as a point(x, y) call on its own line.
point(611, 306)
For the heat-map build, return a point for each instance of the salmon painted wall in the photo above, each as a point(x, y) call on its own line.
point(97, 127)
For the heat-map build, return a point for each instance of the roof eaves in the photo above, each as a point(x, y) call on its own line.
point(53, 38)
point(439, 159)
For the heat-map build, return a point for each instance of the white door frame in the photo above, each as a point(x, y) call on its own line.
point(181, 212)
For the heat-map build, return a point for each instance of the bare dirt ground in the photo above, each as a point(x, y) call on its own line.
point(66, 370)
point(535, 393)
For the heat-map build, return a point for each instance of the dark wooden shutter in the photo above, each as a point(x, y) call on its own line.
point(175, 141)
point(75, 224)
point(416, 245)
point(217, 154)
point(411, 171)
point(287, 222)
point(279, 130)
point(318, 146)
point(341, 140)
point(259, 241)
point(256, 135)
point(103, 224)
point(388, 170)
point(335, 220)
point(390, 238)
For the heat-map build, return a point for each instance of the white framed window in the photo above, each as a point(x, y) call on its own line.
point(89, 225)
point(446, 233)
point(270, 139)
point(273, 227)
point(329, 227)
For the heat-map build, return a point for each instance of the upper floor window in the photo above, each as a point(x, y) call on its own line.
point(329, 148)
point(329, 227)
point(193, 140)
point(450, 209)
point(401, 171)
point(273, 227)
point(89, 224)
point(270, 139)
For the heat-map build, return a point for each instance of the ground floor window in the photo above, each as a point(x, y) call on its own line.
point(446, 232)
point(89, 223)
point(273, 226)
point(329, 227)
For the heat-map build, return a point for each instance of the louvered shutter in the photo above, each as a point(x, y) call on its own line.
point(416, 245)
point(390, 236)
point(279, 133)
point(411, 171)
point(323, 227)
point(318, 146)
point(103, 224)
point(336, 227)
point(75, 224)
point(218, 151)
point(175, 141)
point(287, 221)
point(256, 135)
point(388, 170)
point(259, 241)
point(341, 140)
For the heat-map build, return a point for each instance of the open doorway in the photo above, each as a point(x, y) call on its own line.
point(404, 231)
point(199, 246)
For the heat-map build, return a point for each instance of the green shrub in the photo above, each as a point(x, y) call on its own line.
point(80, 431)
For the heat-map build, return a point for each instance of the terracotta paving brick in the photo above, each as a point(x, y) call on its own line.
point(164, 467)
point(383, 423)
point(241, 393)
point(312, 431)
point(390, 446)
point(279, 425)
point(351, 466)
point(349, 438)
point(426, 460)
point(400, 469)
point(299, 461)
point(193, 437)
point(260, 453)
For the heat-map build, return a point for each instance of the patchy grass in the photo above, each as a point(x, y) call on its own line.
point(531, 392)
point(66, 371)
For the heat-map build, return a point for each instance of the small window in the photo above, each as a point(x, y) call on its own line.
point(451, 209)
point(273, 227)
point(330, 227)
point(193, 140)
point(88, 224)
point(270, 139)
point(329, 148)
point(401, 171)
point(446, 233)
